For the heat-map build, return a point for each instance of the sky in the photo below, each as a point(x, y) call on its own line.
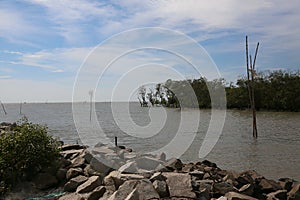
point(58, 51)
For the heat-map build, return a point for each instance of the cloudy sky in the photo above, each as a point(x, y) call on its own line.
point(50, 48)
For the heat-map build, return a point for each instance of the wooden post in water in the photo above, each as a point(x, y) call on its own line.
point(250, 84)
point(116, 141)
point(3, 108)
point(91, 103)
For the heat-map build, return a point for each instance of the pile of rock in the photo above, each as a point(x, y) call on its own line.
point(91, 174)
point(152, 177)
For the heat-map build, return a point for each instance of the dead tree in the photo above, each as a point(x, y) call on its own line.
point(251, 73)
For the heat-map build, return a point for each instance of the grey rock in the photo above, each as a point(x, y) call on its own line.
point(147, 163)
point(78, 162)
point(157, 176)
point(96, 193)
point(124, 190)
point(89, 185)
point(174, 164)
point(72, 184)
point(73, 172)
point(184, 189)
point(130, 167)
point(161, 187)
point(99, 166)
point(222, 188)
point(268, 186)
point(89, 171)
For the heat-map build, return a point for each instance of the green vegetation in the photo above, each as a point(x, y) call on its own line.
point(24, 151)
point(276, 90)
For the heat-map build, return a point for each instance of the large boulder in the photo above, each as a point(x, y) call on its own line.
point(124, 190)
point(174, 164)
point(161, 187)
point(147, 163)
point(95, 194)
point(72, 184)
point(73, 172)
point(99, 166)
point(179, 184)
point(89, 185)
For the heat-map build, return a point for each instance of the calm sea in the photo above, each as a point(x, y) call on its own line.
point(275, 154)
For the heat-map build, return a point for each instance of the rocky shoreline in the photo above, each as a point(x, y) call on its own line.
point(79, 175)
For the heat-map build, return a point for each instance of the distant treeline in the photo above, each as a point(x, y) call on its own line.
point(274, 90)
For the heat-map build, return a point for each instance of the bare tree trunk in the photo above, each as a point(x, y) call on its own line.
point(250, 84)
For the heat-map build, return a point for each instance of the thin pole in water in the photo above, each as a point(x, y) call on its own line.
point(3, 108)
point(250, 84)
point(116, 141)
point(91, 103)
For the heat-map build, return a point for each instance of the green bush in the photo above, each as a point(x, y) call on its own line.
point(24, 151)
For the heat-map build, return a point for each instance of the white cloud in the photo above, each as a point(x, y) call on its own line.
point(5, 77)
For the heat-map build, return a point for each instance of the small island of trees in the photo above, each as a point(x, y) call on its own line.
point(274, 90)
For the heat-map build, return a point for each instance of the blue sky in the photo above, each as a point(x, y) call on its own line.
point(44, 43)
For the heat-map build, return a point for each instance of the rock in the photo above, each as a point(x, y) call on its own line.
point(146, 190)
point(209, 164)
point(96, 193)
point(198, 174)
point(72, 184)
point(89, 185)
point(72, 196)
point(130, 167)
point(222, 198)
point(87, 156)
point(73, 172)
point(147, 163)
point(157, 176)
point(78, 162)
point(99, 166)
point(237, 196)
point(222, 188)
point(174, 164)
point(134, 195)
point(247, 189)
point(102, 150)
point(294, 193)
point(179, 184)
point(124, 190)
point(71, 147)
point(161, 187)
point(114, 180)
point(67, 154)
point(286, 183)
point(161, 156)
point(44, 181)
point(268, 186)
point(188, 167)
point(279, 194)
point(89, 171)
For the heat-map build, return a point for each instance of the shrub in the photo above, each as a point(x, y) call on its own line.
point(24, 151)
